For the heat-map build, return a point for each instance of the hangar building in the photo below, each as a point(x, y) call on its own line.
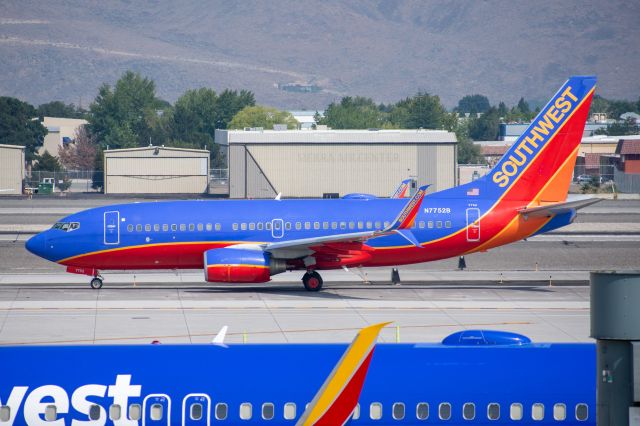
point(156, 170)
point(311, 163)
point(11, 169)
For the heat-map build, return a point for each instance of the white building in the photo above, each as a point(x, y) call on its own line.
point(60, 132)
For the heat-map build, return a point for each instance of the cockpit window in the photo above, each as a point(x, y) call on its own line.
point(67, 226)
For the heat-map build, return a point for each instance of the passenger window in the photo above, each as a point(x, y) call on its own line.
point(50, 413)
point(5, 413)
point(398, 411)
point(259, 225)
point(298, 226)
point(422, 411)
point(447, 224)
point(307, 225)
point(252, 226)
point(192, 227)
point(360, 224)
point(334, 225)
point(369, 224)
point(267, 411)
point(444, 411)
point(221, 411)
point(183, 227)
point(243, 226)
point(375, 411)
point(147, 228)
point(200, 228)
point(537, 411)
point(469, 411)
point(316, 225)
point(157, 412)
point(246, 411)
point(234, 226)
point(421, 224)
point(115, 412)
point(208, 227)
point(377, 225)
point(139, 228)
point(94, 412)
point(582, 412)
point(343, 225)
point(515, 411)
point(267, 226)
point(156, 227)
point(174, 227)
point(559, 412)
point(218, 227)
point(165, 227)
point(386, 223)
point(289, 411)
point(439, 224)
point(430, 224)
point(325, 225)
point(287, 226)
point(196, 411)
point(352, 225)
point(356, 412)
point(129, 228)
point(493, 411)
point(135, 412)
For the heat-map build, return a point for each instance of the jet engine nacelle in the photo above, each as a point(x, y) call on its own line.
point(228, 265)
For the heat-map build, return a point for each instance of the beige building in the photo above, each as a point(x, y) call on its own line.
point(156, 170)
point(59, 131)
point(11, 169)
point(470, 172)
point(311, 163)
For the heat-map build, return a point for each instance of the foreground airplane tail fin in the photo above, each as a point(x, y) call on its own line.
point(539, 165)
point(337, 398)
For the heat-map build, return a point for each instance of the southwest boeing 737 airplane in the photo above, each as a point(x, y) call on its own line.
point(248, 241)
point(472, 377)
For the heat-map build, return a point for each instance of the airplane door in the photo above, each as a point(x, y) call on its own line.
point(277, 228)
point(112, 227)
point(473, 224)
point(196, 410)
point(157, 410)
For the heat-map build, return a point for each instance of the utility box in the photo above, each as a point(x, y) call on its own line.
point(46, 186)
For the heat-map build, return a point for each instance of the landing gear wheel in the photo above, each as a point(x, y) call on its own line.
point(96, 283)
point(312, 281)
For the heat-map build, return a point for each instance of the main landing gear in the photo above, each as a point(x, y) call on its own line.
point(312, 281)
point(96, 282)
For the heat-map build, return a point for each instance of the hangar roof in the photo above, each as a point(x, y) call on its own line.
point(417, 136)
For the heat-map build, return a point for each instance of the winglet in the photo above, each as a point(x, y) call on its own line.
point(219, 339)
point(337, 398)
point(408, 214)
point(278, 196)
point(402, 190)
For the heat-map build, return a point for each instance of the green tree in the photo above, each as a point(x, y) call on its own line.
point(486, 127)
point(59, 109)
point(195, 115)
point(502, 109)
point(473, 104)
point(353, 113)
point(47, 163)
point(420, 111)
point(118, 117)
point(19, 126)
point(622, 128)
point(229, 103)
point(523, 106)
point(260, 116)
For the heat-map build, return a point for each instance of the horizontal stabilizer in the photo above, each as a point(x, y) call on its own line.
point(219, 339)
point(408, 235)
point(573, 203)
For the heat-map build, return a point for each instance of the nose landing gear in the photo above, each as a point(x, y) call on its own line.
point(96, 282)
point(312, 281)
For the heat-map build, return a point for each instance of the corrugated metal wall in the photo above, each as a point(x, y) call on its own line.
point(11, 170)
point(156, 171)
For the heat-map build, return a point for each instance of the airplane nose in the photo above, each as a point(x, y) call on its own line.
point(37, 244)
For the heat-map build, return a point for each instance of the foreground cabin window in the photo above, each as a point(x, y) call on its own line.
point(219, 227)
point(208, 227)
point(421, 224)
point(430, 224)
point(298, 226)
point(537, 411)
point(267, 411)
point(267, 226)
point(386, 223)
point(147, 228)
point(129, 228)
point(174, 227)
point(469, 411)
point(356, 412)
point(360, 224)
point(375, 411)
point(243, 226)
point(289, 411)
point(307, 225)
point(369, 224)
point(139, 228)
point(444, 411)
point(246, 411)
point(343, 225)
point(234, 226)
point(135, 412)
point(260, 226)
point(156, 227)
point(200, 227)
point(252, 226)
point(157, 412)
point(183, 226)
point(422, 411)
point(50, 413)
point(559, 412)
point(115, 412)
point(398, 411)
point(325, 225)
point(5, 413)
point(316, 225)
point(582, 412)
point(493, 411)
point(447, 224)
point(94, 412)
point(196, 411)
point(352, 225)
point(165, 227)
point(439, 224)
point(334, 225)
point(377, 225)
point(516, 411)
point(287, 226)
point(221, 411)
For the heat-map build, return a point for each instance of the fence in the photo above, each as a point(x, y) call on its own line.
point(67, 181)
point(627, 182)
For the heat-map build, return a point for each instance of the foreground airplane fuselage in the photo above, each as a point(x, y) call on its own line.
point(411, 384)
point(250, 240)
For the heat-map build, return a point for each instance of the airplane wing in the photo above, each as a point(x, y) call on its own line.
point(337, 398)
point(558, 208)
